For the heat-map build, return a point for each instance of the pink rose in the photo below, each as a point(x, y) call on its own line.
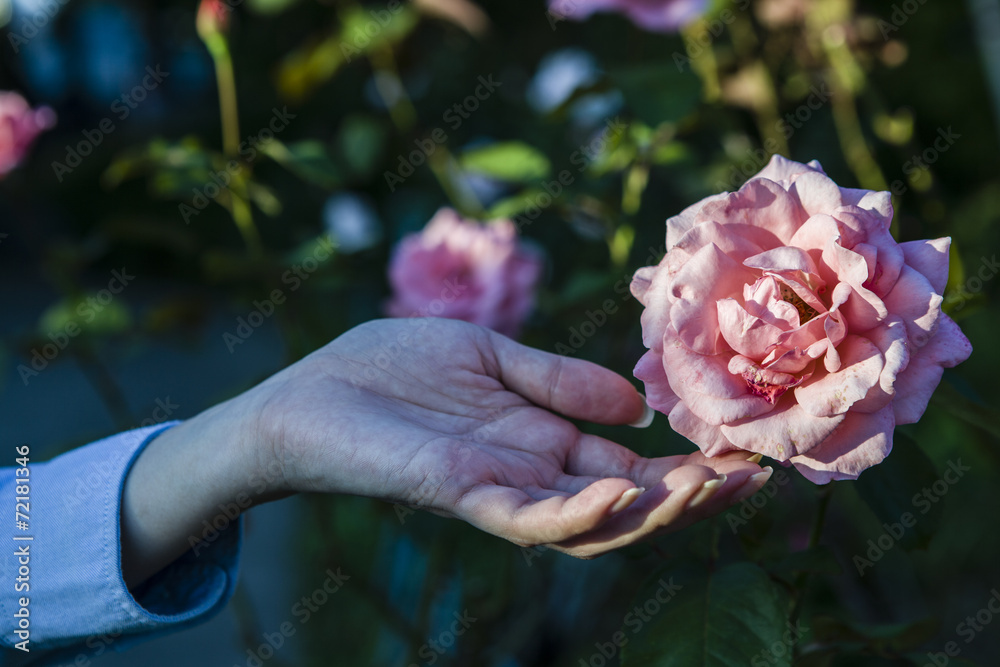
point(464, 270)
point(785, 320)
point(654, 15)
point(19, 125)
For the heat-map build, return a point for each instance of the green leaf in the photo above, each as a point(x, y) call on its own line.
point(731, 617)
point(659, 93)
point(891, 491)
point(507, 161)
point(308, 160)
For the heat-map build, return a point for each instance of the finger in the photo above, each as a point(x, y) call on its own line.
point(663, 508)
point(514, 515)
point(571, 387)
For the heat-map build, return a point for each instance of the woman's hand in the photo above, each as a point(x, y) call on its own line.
point(461, 421)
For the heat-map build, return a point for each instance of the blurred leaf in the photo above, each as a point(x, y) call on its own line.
point(264, 198)
point(731, 617)
point(270, 6)
point(890, 489)
point(964, 408)
point(100, 313)
point(308, 67)
point(669, 153)
point(659, 93)
point(507, 161)
point(511, 206)
point(361, 140)
point(308, 160)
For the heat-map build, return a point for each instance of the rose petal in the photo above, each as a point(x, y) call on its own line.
point(746, 334)
point(727, 239)
point(929, 257)
point(640, 283)
point(705, 384)
point(680, 224)
point(861, 441)
point(915, 385)
point(786, 431)
point(659, 395)
point(914, 300)
point(656, 316)
point(784, 258)
point(890, 338)
point(828, 394)
point(708, 276)
point(709, 438)
point(780, 168)
point(762, 211)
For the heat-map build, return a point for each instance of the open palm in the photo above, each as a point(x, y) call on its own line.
point(461, 421)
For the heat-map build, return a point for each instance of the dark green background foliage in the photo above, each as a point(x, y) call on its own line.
point(803, 575)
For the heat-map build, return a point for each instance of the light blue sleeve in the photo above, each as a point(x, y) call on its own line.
point(77, 602)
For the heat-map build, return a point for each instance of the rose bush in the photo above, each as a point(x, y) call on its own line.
point(784, 319)
point(654, 15)
point(464, 270)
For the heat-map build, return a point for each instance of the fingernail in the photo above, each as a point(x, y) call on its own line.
point(755, 458)
point(627, 499)
point(707, 490)
point(753, 484)
point(647, 415)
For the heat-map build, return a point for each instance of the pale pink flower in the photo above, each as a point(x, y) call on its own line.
point(19, 126)
point(785, 320)
point(653, 15)
point(465, 270)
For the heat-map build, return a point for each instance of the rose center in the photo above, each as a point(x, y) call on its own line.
point(806, 312)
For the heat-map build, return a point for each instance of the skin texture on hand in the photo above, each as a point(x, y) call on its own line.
point(442, 415)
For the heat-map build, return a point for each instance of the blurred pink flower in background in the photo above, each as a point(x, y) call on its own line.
point(19, 126)
point(785, 320)
point(464, 270)
point(653, 15)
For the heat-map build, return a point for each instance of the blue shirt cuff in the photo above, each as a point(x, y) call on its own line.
point(76, 590)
